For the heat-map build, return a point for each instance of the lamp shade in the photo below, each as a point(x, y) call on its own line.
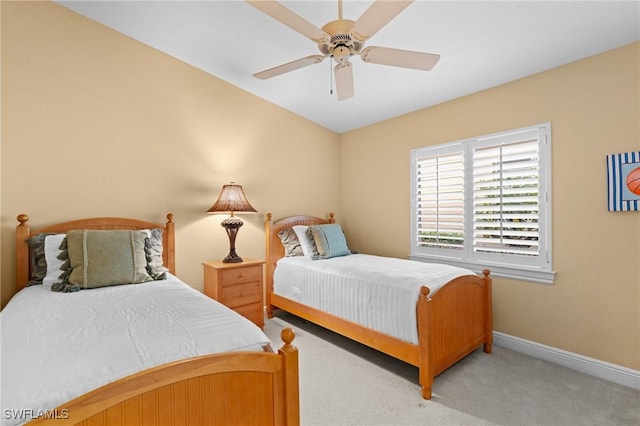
point(230, 200)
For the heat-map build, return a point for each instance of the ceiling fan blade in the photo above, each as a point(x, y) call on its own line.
point(399, 58)
point(344, 80)
point(289, 66)
point(377, 16)
point(290, 19)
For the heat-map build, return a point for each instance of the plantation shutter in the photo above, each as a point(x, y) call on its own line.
point(485, 202)
point(440, 201)
point(506, 195)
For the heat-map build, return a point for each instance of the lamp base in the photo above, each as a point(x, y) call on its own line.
point(231, 225)
point(232, 257)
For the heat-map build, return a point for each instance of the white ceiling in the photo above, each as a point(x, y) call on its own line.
point(482, 44)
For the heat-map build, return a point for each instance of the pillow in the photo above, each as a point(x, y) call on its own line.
point(37, 260)
point(101, 258)
point(290, 242)
point(330, 240)
point(153, 253)
point(307, 244)
point(54, 264)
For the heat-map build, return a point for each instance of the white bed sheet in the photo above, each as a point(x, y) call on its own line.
point(376, 292)
point(57, 346)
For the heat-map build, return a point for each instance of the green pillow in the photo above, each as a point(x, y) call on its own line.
point(330, 240)
point(103, 258)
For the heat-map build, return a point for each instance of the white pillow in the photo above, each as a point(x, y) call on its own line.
point(51, 252)
point(307, 243)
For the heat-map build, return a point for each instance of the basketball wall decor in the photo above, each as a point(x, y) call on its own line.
point(633, 181)
point(623, 181)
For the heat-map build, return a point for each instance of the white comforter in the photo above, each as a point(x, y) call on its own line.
point(377, 292)
point(57, 346)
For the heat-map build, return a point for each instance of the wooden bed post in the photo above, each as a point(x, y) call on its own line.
point(169, 253)
point(22, 252)
point(425, 336)
point(289, 355)
point(488, 317)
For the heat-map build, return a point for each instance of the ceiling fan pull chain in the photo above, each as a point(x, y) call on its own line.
point(330, 79)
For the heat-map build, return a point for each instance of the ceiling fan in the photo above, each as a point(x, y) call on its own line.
point(343, 38)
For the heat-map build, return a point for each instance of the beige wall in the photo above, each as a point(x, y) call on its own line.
point(97, 124)
point(94, 123)
point(593, 105)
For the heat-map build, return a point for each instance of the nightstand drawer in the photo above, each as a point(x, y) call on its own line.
point(254, 312)
point(241, 275)
point(237, 295)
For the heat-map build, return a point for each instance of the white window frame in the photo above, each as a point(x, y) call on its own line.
point(535, 269)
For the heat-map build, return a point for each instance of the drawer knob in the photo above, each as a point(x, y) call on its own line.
point(242, 276)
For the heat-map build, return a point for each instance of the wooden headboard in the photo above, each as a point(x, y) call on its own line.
point(274, 249)
point(23, 232)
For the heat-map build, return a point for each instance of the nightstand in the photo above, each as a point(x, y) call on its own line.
point(238, 286)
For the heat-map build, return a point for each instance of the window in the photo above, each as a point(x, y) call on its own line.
point(485, 202)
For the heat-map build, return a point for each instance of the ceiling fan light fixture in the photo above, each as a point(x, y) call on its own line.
point(341, 54)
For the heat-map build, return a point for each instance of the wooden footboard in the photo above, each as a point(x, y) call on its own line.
point(452, 322)
point(242, 388)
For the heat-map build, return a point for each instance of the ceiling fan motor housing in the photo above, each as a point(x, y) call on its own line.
point(341, 44)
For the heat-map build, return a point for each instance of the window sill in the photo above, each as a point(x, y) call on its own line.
point(503, 271)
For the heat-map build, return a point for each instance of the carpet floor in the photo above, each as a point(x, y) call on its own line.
point(345, 383)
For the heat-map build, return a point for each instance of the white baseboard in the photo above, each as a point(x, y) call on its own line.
point(604, 370)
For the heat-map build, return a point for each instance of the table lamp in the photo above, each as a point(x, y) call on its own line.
point(232, 200)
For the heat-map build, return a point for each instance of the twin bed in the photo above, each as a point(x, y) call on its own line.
point(427, 315)
point(162, 353)
point(154, 353)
